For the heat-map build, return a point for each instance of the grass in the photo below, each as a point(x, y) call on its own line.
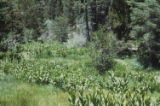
point(17, 93)
point(48, 72)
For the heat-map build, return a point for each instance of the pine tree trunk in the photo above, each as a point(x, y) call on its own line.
point(87, 23)
point(94, 15)
point(52, 4)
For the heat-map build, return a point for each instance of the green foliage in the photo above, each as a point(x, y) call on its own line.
point(103, 38)
point(70, 10)
point(60, 28)
point(53, 50)
point(9, 43)
point(101, 97)
point(104, 63)
point(25, 70)
point(104, 42)
point(72, 70)
point(119, 19)
point(27, 34)
point(125, 49)
point(149, 54)
point(145, 28)
point(34, 19)
point(124, 83)
point(3, 13)
point(117, 91)
point(17, 17)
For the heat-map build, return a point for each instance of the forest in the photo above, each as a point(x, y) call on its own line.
point(79, 52)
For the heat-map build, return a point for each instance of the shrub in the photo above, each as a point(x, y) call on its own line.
point(7, 45)
point(104, 38)
point(27, 34)
point(149, 55)
point(104, 63)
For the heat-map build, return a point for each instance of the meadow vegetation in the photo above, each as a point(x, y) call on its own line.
point(52, 74)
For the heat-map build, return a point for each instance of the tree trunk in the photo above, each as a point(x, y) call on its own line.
point(94, 15)
point(52, 6)
point(87, 24)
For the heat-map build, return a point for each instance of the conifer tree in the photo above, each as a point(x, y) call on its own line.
point(145, 29)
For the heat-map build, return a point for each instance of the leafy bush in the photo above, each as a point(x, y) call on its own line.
point(104, 38)
point(104, 63)
point(104, 44)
